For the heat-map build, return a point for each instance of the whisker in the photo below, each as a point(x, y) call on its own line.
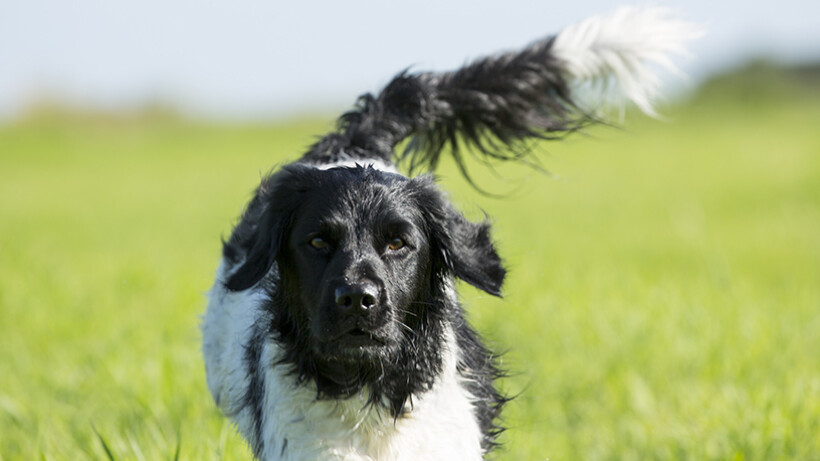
point(405, 311)
point(423, 303)
point(403, 325)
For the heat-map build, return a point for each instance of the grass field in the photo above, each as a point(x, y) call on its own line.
point(663, 300)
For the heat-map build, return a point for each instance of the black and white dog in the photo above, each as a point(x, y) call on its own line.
point(333, 329)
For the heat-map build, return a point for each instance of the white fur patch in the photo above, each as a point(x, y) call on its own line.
point(350, 163)
point(618, 51)
point(226, 327)
point(440, 424)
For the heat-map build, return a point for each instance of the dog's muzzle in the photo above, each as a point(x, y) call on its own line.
point(358, 309)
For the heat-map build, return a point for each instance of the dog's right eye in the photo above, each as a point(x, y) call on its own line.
point(396, 244)
point(318, 243)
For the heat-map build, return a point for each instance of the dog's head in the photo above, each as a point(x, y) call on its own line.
point(364, 259)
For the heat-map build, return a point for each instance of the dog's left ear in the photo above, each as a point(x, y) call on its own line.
point(463, 247)
point(468, 251)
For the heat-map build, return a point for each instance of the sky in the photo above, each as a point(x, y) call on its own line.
point(245, 59)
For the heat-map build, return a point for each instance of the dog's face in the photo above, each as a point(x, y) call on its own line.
point(357, 263)
point(364, 258)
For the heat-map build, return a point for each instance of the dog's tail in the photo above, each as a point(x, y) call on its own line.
point(494, 105)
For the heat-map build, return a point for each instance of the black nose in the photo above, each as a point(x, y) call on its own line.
point(357, 298)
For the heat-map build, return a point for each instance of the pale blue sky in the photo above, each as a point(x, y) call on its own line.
point(259, 58)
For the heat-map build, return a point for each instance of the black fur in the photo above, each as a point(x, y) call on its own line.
point(254, 398)
point(309, 232)
point(492, 106)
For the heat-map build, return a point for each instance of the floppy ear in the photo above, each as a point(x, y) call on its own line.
point(261, 234)
point(462, 246)
point(470, 254)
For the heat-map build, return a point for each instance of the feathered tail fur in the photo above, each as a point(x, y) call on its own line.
point(495, 104)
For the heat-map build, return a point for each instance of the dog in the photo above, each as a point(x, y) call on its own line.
point(333, 330)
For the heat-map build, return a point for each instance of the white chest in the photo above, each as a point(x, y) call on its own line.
point(439, 425)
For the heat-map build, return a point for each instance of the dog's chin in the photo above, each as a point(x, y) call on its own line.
point(356, 346)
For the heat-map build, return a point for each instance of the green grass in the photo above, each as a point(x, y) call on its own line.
point(663, 300)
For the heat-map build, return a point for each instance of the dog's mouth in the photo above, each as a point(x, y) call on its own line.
point(353, 338)
point(358, 337)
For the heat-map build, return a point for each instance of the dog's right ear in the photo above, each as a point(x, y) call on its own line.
point(262, 232)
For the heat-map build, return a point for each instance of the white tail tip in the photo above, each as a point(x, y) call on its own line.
point(620, 51)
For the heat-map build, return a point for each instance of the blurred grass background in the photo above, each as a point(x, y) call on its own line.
point(663, 300)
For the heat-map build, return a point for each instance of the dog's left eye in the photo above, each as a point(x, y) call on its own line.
point(318, 243)
point(396, 244)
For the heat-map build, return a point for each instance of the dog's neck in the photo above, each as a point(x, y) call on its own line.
point(300, 426)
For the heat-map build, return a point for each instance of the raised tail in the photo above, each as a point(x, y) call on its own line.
point(494, 105)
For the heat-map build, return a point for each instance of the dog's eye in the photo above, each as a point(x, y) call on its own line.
point(318, 243)
point(396, 244)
